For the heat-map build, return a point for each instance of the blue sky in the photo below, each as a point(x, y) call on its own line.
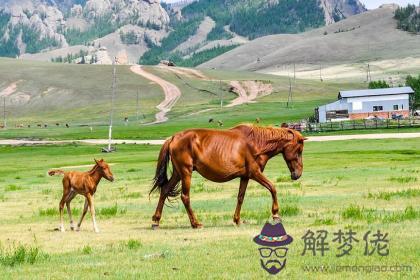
point(370, 4)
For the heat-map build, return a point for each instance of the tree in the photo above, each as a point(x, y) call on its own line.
point(414, 83)
point(378, 84)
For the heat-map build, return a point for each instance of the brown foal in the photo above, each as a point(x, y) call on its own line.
point(84, 183)
point(220, 156)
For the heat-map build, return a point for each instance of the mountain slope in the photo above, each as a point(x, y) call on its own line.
point(31, 26)
point(130, 29)
point(368, 36)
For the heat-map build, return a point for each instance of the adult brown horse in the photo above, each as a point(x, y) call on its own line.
point(220, 156)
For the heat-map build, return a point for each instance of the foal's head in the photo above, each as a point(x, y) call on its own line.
point(292, 154)
point(104, 170)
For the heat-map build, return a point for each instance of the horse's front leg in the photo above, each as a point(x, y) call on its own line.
point(92, 211)
point(260, 178)
point(241, 194)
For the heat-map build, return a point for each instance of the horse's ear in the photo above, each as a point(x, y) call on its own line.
point(102, 160)
point(96, 161)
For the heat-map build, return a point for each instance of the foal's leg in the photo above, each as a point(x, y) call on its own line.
point(260, 178)
point(242, 189)
point(92, 211)
point(70, 197)
point(85, 209)
point(163, 195)
point(185, 197)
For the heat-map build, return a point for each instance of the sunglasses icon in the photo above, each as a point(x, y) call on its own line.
point(267, 252)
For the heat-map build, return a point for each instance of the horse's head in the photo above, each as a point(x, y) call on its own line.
point(292, 154)
point(105, 170)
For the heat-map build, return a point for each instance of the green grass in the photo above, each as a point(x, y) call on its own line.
point(398, 194)
point(18, 255)
point(332, 194)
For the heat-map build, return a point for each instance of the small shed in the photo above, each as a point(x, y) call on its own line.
point(361, 104)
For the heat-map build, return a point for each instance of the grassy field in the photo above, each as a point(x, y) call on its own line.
point(358, 185)
point(80, 95)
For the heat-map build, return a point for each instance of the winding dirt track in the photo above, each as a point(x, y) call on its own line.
point(16, 142)
point(171, 91)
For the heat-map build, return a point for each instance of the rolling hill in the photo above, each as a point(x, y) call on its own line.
point(190, 34)
point(370, 36)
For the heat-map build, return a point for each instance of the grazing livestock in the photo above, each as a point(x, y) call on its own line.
point(83, 183)
point(220, 156)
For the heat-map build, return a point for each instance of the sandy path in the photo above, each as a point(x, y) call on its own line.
point(171, 91)
point(15, 142)
point(248, 91)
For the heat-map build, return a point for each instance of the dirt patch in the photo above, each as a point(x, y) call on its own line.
point(10, 89)
point(248, 91)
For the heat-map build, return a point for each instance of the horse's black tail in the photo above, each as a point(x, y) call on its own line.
point(160, 181)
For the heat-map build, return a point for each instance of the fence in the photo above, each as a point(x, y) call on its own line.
point(361, 124)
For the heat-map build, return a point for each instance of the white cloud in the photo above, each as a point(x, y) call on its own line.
point(373, 4)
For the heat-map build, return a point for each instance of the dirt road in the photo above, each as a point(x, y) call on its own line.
point(248, 91)
point(15, 142)
point(171, 91)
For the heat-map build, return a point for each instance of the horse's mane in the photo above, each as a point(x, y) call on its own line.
point(93, 169)
point(266, 139)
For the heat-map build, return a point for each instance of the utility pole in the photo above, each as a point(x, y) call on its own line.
point(294, 71)
point(137, 106)
point(110, 149)
point(320, 72)
point(290, 97)
point(221, 94)
point(4, 113)
point(368, 76)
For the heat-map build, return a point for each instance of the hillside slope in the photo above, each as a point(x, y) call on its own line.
point(369, 36)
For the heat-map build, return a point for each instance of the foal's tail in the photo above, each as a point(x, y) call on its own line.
point(56, 172)
point(160, 180)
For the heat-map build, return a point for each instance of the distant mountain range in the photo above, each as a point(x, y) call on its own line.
point(96, 30)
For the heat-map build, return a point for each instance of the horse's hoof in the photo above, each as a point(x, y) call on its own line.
point(277, 219)
point(77, 229)
point(197, 226)
point(155, 226)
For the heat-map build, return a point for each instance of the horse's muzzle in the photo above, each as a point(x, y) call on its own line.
point(295, 176)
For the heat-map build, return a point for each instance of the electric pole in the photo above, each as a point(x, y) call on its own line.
point(4, 113)
point(368, 76)
point(290, 97)
point(111, 117)
point(221, 94)
point(137, 106)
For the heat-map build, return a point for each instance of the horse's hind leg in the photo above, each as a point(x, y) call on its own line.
point(173, 182)
point(185, 197)
point(66, 192)
point(242, 189)
point(85, 209)
point(70, 197)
